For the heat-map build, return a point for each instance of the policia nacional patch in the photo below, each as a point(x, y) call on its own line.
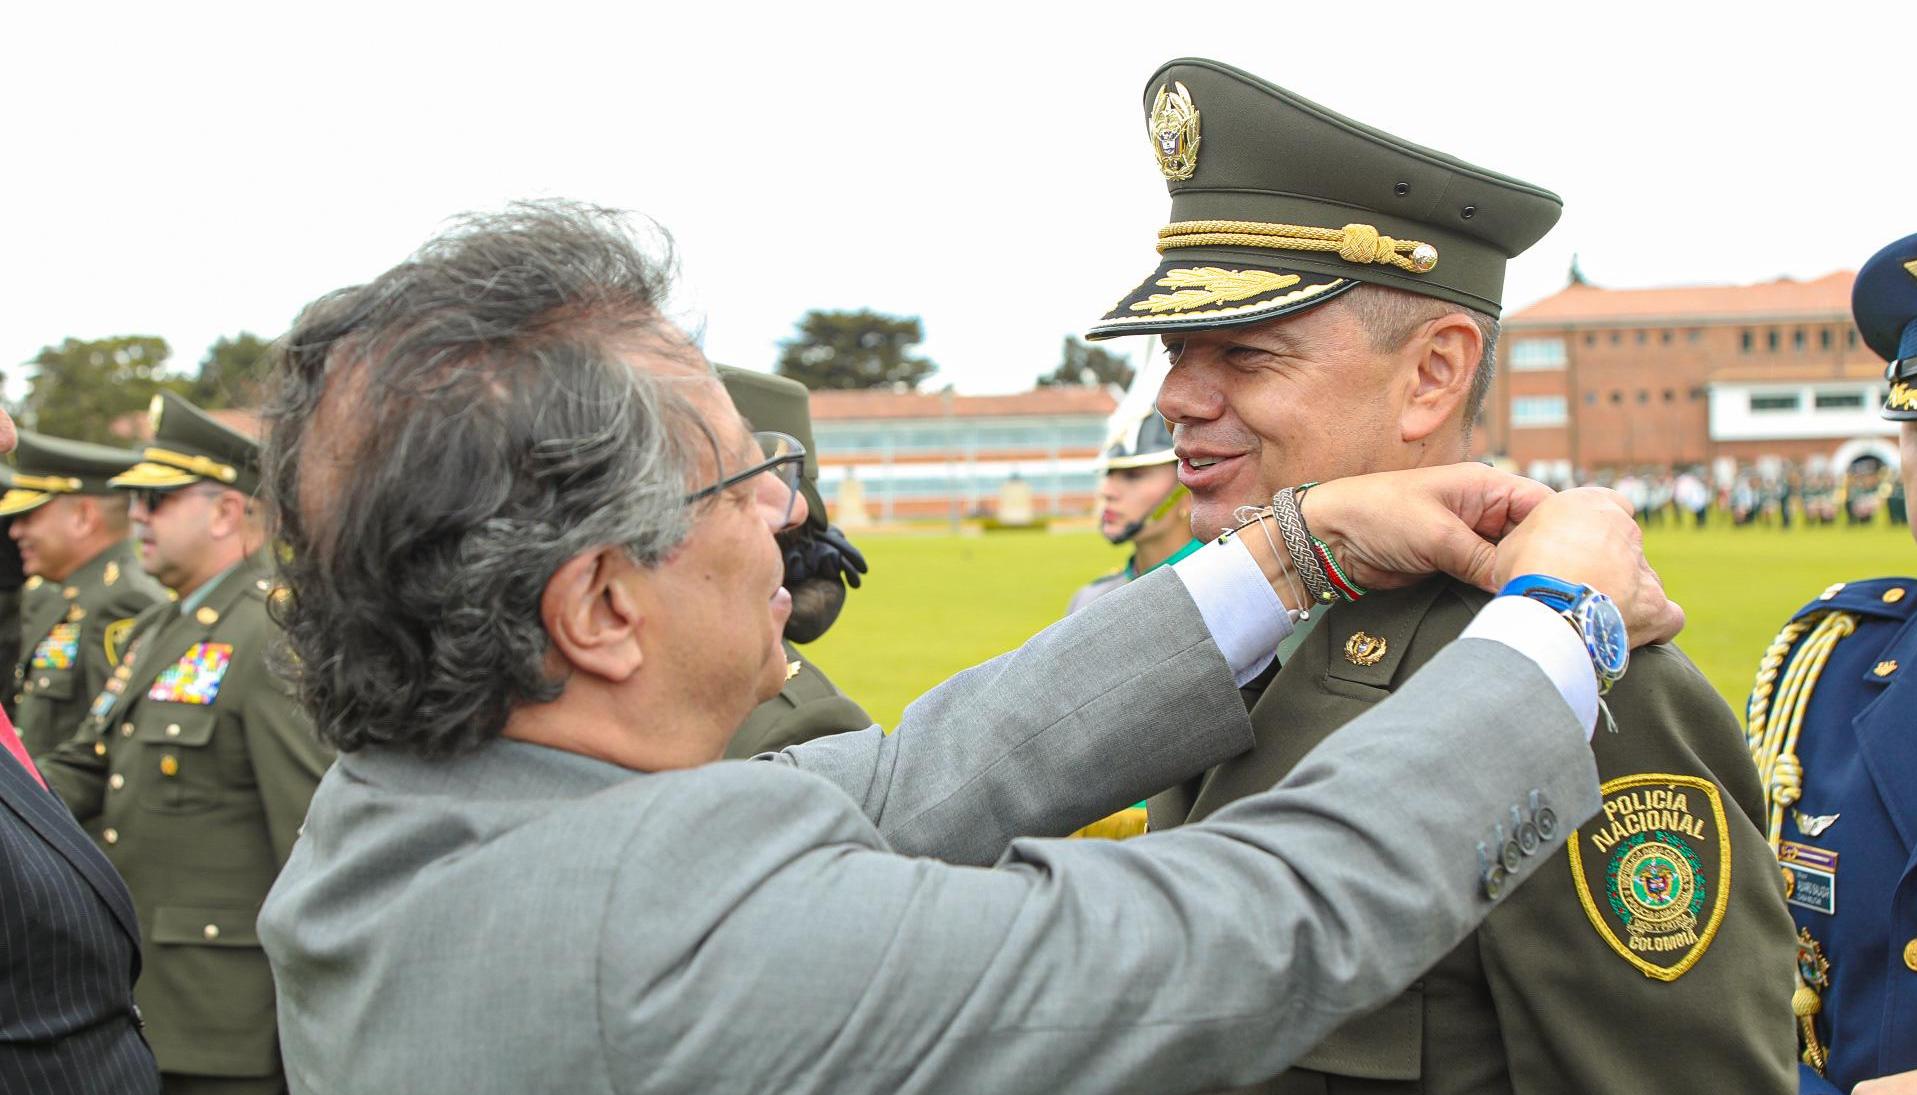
point(1653, 870)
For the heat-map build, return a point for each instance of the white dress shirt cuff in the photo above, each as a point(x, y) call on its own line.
point(1244, 615)
point(1534, 630)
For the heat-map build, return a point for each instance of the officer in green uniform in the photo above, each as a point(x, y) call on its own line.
point(195, 764)
point(85, 584)
point(819, 564)
point(1328, 295)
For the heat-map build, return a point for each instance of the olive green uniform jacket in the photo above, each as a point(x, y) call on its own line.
point(809, 706)
point(193, 770)
point(71, 636)
point(1540, 1000)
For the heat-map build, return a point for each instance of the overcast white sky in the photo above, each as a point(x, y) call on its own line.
point(190, 170)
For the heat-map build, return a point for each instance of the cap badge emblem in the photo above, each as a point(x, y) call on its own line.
point(1363, 649)
point(1174, 132)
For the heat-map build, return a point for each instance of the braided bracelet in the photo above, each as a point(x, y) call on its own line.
point(1326, 558)
point(1291, 523)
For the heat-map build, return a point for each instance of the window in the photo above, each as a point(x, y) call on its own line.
point(1590, 338)
point(1590, 399)
point(1770, 340)
point(1537, 353)
point(1617, 397)
point(1617, 337)
point(1642, 337)
point(1839, 401)
point(1537, 410)
point(1664, 337)
point(1670, 395)
point(1698, 394)
point(1823, 339)
point(1850, 338)
point(1694, 334)
point(1775, 403)
point(1797, 340)
point(1745, 341)
point(1643, 396)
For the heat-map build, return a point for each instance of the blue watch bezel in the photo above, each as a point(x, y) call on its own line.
point(1588, 611)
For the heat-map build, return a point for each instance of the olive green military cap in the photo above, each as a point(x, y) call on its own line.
point(1279, 205)
point(780, 403)
point(190, 446)
point(44, 467)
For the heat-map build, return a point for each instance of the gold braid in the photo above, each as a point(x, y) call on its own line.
point(1773, 732)
point(1776, 725)
point(1359, 243)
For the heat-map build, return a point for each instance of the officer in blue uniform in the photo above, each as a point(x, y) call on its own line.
point(1833, 729)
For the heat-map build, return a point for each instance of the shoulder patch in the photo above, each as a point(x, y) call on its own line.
point(1653, 870)
point(116, 633)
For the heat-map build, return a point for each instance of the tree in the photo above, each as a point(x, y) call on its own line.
point(863, 349)
point(82, 387)
point(233, 373)
point(1079, 362)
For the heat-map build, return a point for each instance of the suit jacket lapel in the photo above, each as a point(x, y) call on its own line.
point(46, 815)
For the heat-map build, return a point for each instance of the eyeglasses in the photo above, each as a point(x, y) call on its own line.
point(784, 457)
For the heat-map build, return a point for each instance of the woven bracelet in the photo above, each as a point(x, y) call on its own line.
point(1291, 524)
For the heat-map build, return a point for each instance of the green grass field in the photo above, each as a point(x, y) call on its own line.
point(935, 604)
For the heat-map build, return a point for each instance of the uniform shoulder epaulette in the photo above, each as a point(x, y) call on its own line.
point(1888, 598)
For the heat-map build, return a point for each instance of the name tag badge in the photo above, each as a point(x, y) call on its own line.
point(1810, 877)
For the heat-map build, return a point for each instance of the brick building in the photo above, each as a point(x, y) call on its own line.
point(1593, 380)
point(936, 454)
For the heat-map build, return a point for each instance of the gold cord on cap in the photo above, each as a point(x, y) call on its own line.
point(1359, 243)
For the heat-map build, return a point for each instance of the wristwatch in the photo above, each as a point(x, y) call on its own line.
point(1595, 616)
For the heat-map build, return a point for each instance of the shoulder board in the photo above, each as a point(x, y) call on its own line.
point(1884, 598)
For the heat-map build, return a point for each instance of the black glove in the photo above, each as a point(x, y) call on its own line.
point(825, 554)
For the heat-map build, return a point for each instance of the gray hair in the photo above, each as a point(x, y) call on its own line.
point(1391, 316)
point(441, 440)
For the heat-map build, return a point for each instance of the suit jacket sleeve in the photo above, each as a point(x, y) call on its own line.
point(1096, 712)
point(1728, 1016)
point(287, 757)
point(1183, 961)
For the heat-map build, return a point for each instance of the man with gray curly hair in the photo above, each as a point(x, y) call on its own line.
point(534, 587)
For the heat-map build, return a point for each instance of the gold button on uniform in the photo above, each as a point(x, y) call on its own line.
point(126, 729)
point(44, 682)
point(69, 593)
point(111, 836)
point(172, 729)
point(99, 749)
point(207, 616)
point(1893, 595)
point(211, 931)
point(1910, 954)
point(169, 765)
point(1830, 591)
point(116, 782)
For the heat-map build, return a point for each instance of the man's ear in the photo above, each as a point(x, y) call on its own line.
point(1445, 354)
point(592, 614)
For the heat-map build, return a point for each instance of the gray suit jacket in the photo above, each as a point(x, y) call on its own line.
point(524, 920)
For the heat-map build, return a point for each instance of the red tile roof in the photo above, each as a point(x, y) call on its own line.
point(837, 406)
point(1827, 297)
